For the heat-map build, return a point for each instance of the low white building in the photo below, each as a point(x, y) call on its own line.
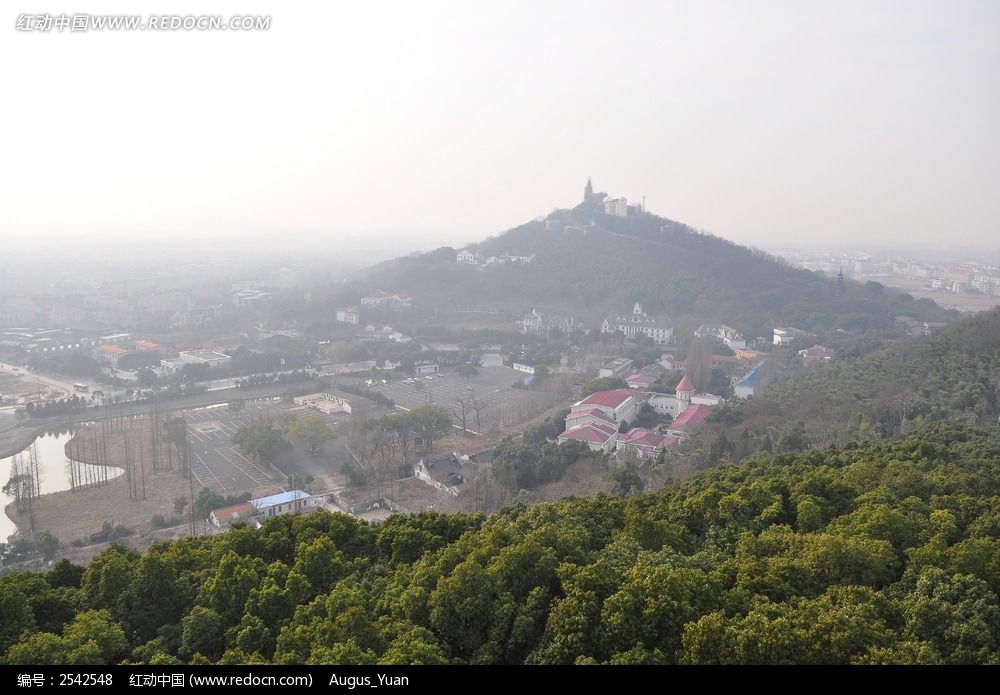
point(726, 334)
point(749, 383)
point(263, 508)
point(386, 300)
point(638, 323)
point(172, 366)
point(349, 314)
point(618, 367)
point(786, 336)
point(214, 360)
point(616, 207)
point(335, 402)
point(283, 503)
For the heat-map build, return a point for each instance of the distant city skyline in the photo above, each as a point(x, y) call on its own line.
point(399, 126)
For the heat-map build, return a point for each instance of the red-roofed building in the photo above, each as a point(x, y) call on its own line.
point(647, 443)
point(223, 517)
point(644, 378)
point(749, 358)
point(817, 354)
point(110, 353)
point(685, 385)
point(692, 416)
point(586, 416)
point(598, 437)
point(146, 345)
point(620, 405)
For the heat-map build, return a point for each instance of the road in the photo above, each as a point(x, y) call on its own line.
point(47, 380)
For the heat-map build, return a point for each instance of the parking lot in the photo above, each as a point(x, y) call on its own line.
point(490, 399)
point(215, 461)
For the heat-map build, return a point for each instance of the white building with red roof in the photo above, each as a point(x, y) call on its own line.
point(817, 354)
point(110, 353)
point(645, 442)
point(597, 436)
point(645, 377)
point(675, 405)
point(598, 418)
point(620, 405)
point(588, 416)
point(691, 417)
point(223, 517)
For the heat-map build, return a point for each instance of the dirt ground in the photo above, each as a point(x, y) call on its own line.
point(75, 514)
point(14, 386)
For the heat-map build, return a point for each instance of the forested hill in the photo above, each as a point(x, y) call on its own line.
point(673, 269)
point(887, 552)
point(951, 375)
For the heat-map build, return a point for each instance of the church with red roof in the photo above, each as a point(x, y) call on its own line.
point(601, 419)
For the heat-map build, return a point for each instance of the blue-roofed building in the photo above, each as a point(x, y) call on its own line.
point(282, 503)
point(748, 384)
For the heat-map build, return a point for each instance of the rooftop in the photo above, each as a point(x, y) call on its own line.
point(233, 512)
point(685, 384)
point(750, 378)
point(280, 498)
point(641, 435)
point(694, 415)
point(593, 412)
point(205, 354)
point(646, 375)
point(596, 434)
point(608, 399)
point(113, 349)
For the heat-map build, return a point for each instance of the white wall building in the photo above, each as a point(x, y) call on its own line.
point(638, 323)
point(282, 503)
point(616, 207)
point(468, 257)
point(349, 314)
point(214, 360)
point(619, 405)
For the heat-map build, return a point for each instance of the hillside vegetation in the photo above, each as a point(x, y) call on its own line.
point(673, 269)
point(887, 552)
point(952, 375)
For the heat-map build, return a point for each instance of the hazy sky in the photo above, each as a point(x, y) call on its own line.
point(430, 122)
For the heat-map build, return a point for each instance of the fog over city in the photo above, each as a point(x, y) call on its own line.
point(406, 126)
point(346, 335)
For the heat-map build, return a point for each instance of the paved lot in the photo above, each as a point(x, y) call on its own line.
point(216, 462)
point(491, 390)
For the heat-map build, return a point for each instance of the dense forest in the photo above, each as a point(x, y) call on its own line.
point(673, 269)
point(885, 552)
point(951, 375)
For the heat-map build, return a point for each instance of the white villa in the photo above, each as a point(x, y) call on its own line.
point(638, 323)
